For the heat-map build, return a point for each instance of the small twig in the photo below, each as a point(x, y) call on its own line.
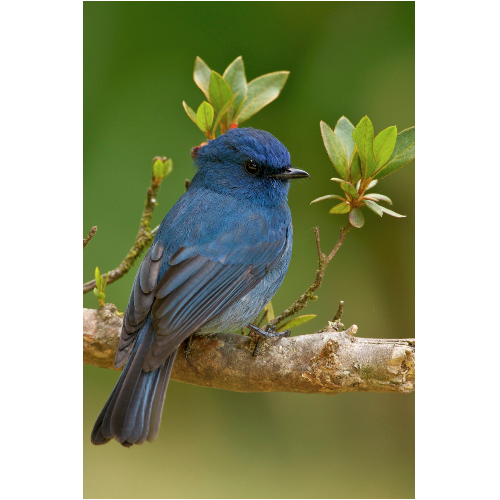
point(321, 255)
point(343, 233)
point(340, 310)
point(89, 237)
point(262, 318)
point(336, 324)
point(352, 330)
point(144, 238)
point(301, 302)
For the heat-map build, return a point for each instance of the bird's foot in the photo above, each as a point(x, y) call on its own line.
point(260, 335)
point(188, 348)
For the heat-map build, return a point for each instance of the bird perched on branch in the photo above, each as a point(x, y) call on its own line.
point(218, 258)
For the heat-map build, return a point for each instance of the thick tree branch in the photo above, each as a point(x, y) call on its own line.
point(326, 362)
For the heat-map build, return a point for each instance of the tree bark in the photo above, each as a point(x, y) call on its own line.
point(327, 362)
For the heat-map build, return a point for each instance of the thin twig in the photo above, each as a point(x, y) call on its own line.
point(336, 323)
point(144, 238)
point(262, 318)
point(343, 233)
point(89, 237)
point(321, 255)
point(340, 310)
point(301, 302)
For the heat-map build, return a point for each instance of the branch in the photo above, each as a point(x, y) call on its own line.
point(324, 260)
point(143, 239)
point(326, 362)
point(89, 237)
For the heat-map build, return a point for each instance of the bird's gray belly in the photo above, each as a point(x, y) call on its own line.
point(246, 309)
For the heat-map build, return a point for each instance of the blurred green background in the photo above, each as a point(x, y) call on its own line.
point(345, 58)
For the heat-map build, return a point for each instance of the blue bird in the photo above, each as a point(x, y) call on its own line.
point(218, 258)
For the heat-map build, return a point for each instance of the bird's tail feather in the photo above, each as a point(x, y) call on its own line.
point(132, 413)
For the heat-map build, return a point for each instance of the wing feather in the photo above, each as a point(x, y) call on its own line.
point(208, 288)
point(140, 302)
point(186, 287)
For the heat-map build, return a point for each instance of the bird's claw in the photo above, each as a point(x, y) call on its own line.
point(260, 335)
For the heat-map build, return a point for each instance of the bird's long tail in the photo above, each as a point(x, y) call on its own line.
point(132, 414)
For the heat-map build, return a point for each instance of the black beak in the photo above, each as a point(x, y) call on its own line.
point(291, 173)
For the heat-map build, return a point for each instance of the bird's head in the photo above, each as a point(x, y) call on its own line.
point(247, 163)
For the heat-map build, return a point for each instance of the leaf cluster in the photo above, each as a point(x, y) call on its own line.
point(231, 100)
point(162, 167)
point(100, 287)
point(361, 158)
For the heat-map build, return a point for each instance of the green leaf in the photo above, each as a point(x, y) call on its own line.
point(270, 311)
point(237, 80)
point(403, 153)
point(327, 197)
point(335, 150)
point(341, 208)
point(343, 130)
point(299, 320)
point(107, 275)
point(237, 111)
point(356, 218)
point(383, 145)
point(380, 197)
point(363, 137)
point(167, 168)
point(340, 181)
point(96, 292)
point(222, 112)
point(205, 117)
point(202, 76)
point(349, 189)
point(189, 111)
point(98, 278)
point(220, 92)
point(390, 212)
point(262, 91)
point(102, 296)
point(158, 169)
point(355, 172)
point(374, 207)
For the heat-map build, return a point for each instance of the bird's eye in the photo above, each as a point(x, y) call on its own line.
point(251, 167)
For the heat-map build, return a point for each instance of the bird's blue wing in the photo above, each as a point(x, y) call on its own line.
point(201, 281)
point(140, 302)
point(196, 289)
